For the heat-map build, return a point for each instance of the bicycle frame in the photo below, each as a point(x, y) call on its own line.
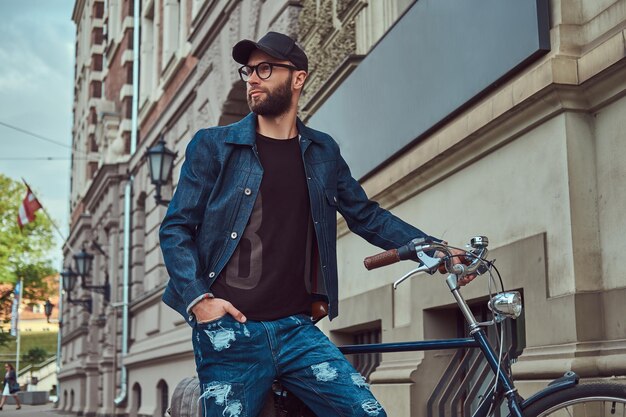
point(478, 340)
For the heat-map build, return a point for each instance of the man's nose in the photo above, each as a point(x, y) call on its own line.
point(254, 78)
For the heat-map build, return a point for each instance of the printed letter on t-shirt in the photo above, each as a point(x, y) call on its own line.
point(244, 268)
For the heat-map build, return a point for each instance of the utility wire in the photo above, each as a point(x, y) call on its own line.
point(26, 132)
point(42, 158)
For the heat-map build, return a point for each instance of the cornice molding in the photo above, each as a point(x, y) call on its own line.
point(147, 299)
point(516, 108)
point(77, 13)
point(105, 176)
point(81, 330)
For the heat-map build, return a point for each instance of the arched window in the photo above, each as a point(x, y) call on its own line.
point(162, 398)
point(135, 404)
point(71, 408)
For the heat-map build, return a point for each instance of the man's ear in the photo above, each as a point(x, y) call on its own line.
point(299, 79)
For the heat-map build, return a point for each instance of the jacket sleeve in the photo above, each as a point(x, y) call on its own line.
point(184, 215)
point(366, 218)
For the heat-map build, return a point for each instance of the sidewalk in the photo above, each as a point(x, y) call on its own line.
point(46, 410)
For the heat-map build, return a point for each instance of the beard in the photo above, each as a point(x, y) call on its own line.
point(276, 102)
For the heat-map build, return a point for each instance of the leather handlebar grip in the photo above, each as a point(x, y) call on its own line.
point(381, 259)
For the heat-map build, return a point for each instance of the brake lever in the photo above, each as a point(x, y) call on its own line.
point(421, 268)
point(428, 261)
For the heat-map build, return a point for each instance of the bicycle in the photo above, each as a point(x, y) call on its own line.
point(562, 397)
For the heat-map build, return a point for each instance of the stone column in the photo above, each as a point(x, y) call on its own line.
point(91, 388)
point(108, 386)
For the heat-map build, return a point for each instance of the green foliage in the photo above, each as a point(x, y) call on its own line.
point(23, 253)
point(5, 338)
point(35, 355)
point(44, 340)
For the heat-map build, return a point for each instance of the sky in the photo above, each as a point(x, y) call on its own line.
point(36, 94)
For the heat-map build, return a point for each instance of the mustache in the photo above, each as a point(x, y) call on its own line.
point(257, 90)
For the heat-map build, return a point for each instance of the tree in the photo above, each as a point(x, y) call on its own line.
point(5, 338)
point(23, 253)
point(35, 356)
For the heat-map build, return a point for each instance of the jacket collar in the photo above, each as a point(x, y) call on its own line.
point(244, 132)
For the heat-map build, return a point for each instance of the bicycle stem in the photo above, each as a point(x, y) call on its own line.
point(479, 336)
point(467, 313)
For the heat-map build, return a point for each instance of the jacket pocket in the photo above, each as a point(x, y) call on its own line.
point(331, 197)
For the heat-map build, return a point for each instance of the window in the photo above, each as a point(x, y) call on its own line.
point(366, 363)
point(171, 30)
point(136, 400)
point(113, 19)
point(148, 64)
point(468, 375)
point(162, 398)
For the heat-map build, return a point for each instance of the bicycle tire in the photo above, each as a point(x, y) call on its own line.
point(593, 399)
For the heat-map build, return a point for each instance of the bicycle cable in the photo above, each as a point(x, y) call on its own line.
point(499, 334)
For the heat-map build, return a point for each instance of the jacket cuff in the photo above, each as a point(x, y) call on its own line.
point(197, 288)
point(197, 300)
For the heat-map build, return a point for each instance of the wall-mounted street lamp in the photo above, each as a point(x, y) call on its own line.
point(160, 163)
point(47, 309)
point(83, 261)
point(69, 283)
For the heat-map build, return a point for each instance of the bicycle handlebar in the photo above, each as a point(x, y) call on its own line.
point(417, 248)
point(391, 256)
point(385, 258)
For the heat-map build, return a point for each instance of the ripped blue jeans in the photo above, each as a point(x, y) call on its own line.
point(237, 363)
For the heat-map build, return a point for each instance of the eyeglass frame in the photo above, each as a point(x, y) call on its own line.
point(255, 68)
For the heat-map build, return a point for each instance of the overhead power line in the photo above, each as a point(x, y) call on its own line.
point(40, 158)
point(26, 132)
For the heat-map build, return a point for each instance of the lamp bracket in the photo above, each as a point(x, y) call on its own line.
point(87, 303)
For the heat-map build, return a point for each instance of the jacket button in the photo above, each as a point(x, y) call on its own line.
point(233, 235)
point(335, 198)
point(247, 191)
point(190, 318)
point(212, 274)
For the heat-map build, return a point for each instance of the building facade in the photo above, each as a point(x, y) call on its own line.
point(532, 161)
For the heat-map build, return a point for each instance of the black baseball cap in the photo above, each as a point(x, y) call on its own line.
point(275, 44)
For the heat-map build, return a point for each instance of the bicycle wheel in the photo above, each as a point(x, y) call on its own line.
point(584, 400)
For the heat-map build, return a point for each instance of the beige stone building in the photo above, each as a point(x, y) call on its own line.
point(532, 160)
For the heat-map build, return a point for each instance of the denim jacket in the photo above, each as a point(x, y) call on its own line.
point(218, 184)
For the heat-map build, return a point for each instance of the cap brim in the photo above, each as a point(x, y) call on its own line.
point(243, 49)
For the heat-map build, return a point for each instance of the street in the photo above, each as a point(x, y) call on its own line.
point(46, 410)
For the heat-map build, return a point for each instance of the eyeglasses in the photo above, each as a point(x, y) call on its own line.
point(263, 70)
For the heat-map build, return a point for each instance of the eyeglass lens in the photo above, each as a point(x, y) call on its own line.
point(263, 70)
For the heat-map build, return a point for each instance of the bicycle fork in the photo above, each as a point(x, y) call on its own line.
point(508, 389)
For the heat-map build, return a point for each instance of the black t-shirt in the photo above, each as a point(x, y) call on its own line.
point(266, 277)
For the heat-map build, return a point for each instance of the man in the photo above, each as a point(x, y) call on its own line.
point(249, 241)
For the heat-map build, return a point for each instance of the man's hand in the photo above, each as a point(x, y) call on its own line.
point(210, 309)
point(457, 257)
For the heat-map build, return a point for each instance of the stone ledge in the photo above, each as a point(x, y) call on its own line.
point(603, 56)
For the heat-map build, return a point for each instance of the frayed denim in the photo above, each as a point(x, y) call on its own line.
point(237, 363)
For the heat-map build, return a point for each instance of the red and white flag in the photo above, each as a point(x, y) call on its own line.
point(27, 210)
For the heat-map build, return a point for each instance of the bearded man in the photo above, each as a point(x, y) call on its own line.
point(249, 242)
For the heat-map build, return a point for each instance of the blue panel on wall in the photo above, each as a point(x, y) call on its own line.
point(437, 58)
